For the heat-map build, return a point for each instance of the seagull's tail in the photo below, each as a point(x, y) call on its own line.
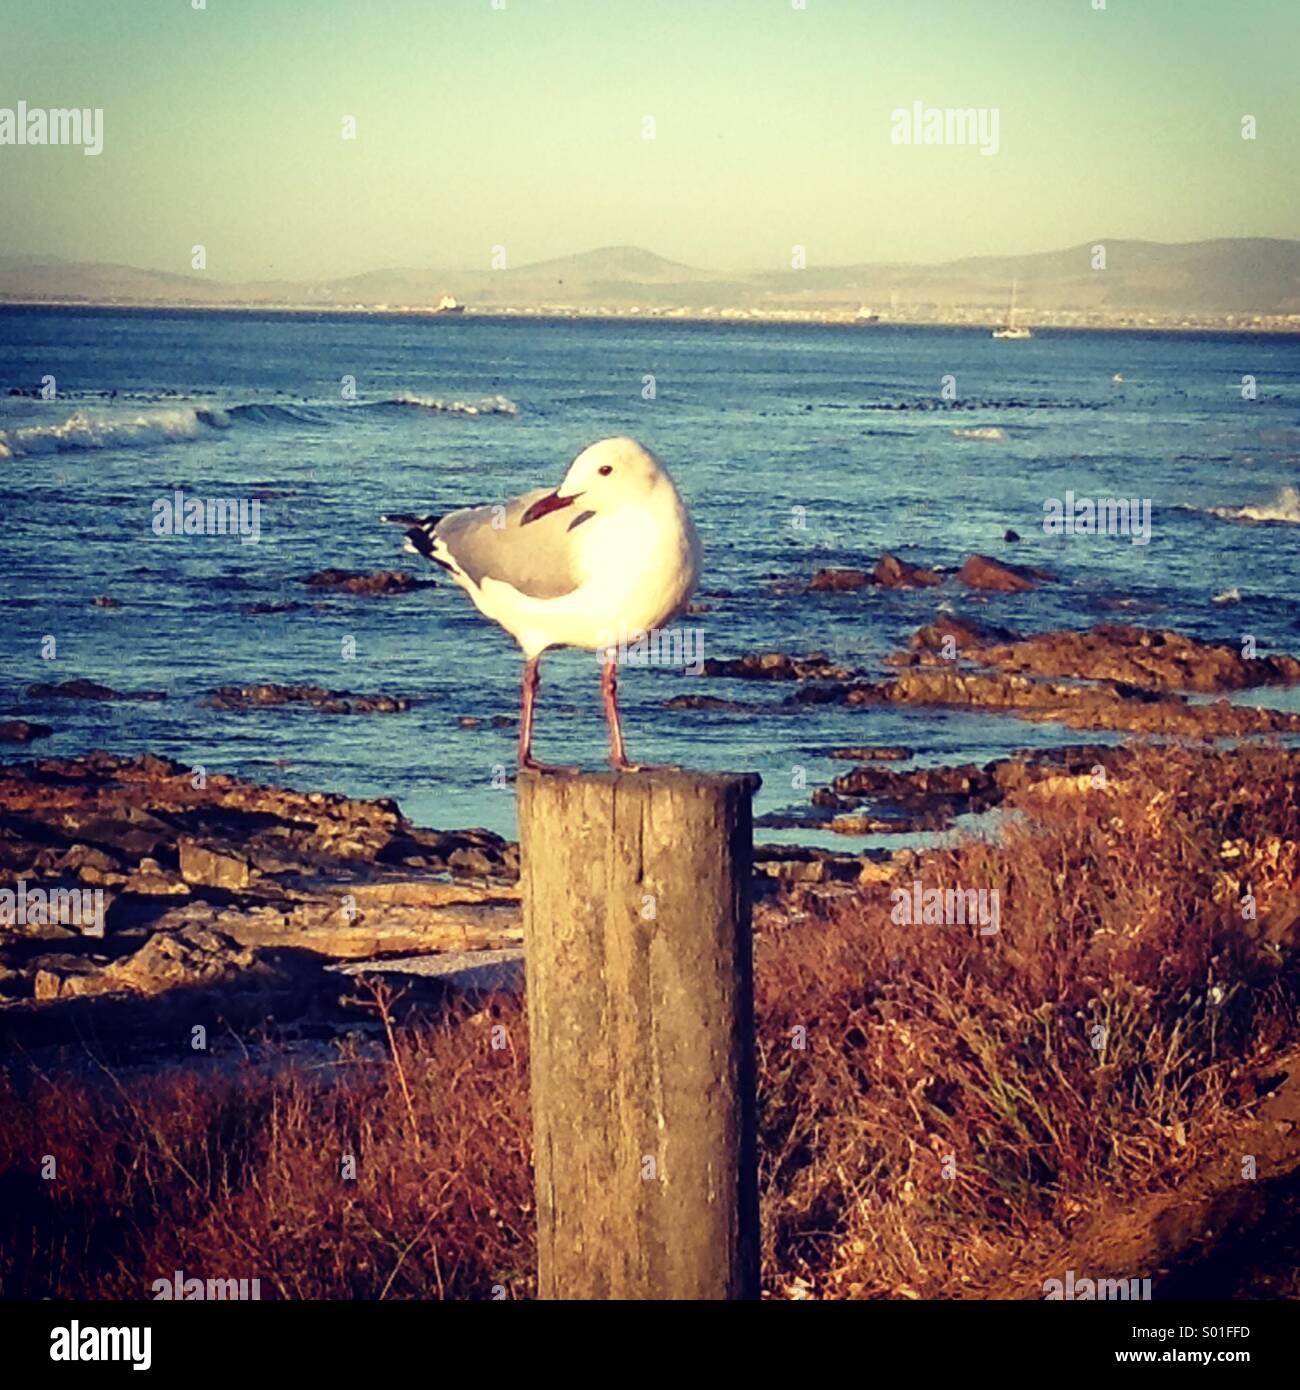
point(419, 534)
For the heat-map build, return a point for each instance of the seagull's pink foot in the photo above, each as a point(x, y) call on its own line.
point(530, 764)
point(625, 766)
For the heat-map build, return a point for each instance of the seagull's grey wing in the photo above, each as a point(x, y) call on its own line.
point(489, 543)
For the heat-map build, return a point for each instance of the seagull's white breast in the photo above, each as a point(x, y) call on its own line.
point(638, 566)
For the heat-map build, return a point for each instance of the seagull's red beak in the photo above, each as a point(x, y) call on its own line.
point(552, 502)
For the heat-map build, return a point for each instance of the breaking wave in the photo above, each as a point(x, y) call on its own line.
point(85, 430)
point(489, 405)
point(1284, 507)
point(103, 429)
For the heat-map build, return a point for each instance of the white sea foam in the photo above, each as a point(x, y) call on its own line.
point(981, 432)
point(1284, 507)
point(489, 405)
point(86, 430)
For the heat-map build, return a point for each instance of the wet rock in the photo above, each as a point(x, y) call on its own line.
point(980, 572)
point(871, 755)
point(777, 666)
point(1152, 659)
point(892, 573)
point(242, 697)
point(20, 731)
point(919, 799)
point(257, 610)
point(889, 572)
point(838, 581)
point(711, 702)
point(1102, 705)
point(371, 585)
point(949, 630)
point(89, 690)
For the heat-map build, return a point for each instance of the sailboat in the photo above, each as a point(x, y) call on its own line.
point(1011, 329)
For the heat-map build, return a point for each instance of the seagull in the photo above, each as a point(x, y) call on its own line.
point(597, 563)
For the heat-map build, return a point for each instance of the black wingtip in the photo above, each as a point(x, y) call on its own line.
point(419, 539)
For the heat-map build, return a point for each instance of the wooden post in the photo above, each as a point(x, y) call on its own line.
point(638, 960)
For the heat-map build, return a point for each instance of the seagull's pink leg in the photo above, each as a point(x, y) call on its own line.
point(609, 691)
point(532, 679)
point(609, 694)
point(528, 693)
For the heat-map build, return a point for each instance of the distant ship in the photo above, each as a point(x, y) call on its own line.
point(864, 315)
point(448, 304)
point(1011, 329)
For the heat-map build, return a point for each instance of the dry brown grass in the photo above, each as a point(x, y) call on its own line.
point(931, 1046)
point(240, 1174)
point(949, 1102)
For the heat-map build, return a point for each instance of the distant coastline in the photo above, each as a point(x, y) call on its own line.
point(919, 317)
point(1244, 284)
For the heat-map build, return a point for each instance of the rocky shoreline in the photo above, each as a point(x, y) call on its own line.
point(265, 902)
point(272, 902)
point(1111, 676)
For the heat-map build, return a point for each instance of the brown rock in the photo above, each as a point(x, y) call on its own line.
point(1149, 658)
point(194, 956)
point(371, 585)
point(838, 581)
point(980, 572)
point(965, 634)
point(59, 976)
point(871, 755)
point(893, 573)
point(20, 731)
point(211, 868)
point(89, 690)
point(710, 702)
point(241, 697)
point(777, 666)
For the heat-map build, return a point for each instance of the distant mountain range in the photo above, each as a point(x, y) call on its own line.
point(1233, 276)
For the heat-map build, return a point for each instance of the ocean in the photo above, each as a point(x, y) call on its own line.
point(797, 447)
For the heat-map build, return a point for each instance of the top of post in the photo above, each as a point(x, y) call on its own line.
point(665, 778)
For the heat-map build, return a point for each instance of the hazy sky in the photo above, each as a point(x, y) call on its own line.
point(523, 126)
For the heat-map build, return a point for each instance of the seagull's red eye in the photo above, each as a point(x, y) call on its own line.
point(606, 470)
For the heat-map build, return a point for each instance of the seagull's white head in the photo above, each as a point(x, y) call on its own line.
point(611, 474)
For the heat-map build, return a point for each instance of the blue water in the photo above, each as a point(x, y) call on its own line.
point(796, 447)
